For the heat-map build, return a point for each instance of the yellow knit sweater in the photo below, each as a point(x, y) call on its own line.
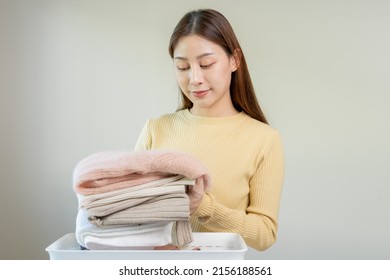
point(246, 163)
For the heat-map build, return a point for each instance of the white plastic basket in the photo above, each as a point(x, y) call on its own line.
point(213, 246)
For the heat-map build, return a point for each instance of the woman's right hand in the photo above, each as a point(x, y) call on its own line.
point(195, 195)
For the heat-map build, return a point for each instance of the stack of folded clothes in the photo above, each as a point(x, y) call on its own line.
point(136, 200)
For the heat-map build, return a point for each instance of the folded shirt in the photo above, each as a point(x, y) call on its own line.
point(118, 190)
point(141, 204)
point(137, 236)
point(164, 200)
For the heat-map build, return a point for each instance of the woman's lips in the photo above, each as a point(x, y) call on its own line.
point(199, 93)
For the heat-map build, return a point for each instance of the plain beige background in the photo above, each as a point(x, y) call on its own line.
point(80, 76)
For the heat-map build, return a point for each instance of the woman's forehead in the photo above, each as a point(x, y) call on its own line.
point(194, 46)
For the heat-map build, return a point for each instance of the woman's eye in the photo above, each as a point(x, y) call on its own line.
point(185, 68)
point(182, 68)
point(206, 66)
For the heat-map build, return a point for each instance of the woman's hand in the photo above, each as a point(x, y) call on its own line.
point(195, 195)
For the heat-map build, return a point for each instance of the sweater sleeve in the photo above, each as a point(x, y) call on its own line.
point(259, 223)
point(144, 140)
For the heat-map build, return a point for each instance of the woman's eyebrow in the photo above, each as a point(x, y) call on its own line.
point(198, 57)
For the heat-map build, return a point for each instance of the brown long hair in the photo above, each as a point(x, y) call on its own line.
point(213, 26)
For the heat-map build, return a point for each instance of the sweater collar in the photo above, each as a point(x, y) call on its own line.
point(211, 121)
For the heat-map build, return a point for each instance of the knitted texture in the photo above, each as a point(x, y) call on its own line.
point(126, 188)
point(246, 163)
point(112, 170)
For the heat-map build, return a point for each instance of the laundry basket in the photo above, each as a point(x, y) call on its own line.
point(212, 245)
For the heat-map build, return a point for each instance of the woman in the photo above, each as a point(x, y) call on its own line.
point(221, 123)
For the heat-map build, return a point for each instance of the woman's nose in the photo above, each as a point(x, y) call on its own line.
point(195, 76)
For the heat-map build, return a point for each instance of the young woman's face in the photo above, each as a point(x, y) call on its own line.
point(203, 72)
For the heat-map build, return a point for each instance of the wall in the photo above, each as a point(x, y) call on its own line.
point(78, 77)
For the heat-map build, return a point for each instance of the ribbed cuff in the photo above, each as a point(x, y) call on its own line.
point(205, 210)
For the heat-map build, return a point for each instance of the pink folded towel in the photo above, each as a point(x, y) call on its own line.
point(113, 170)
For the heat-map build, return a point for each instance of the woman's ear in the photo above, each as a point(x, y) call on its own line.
point(236, 59)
